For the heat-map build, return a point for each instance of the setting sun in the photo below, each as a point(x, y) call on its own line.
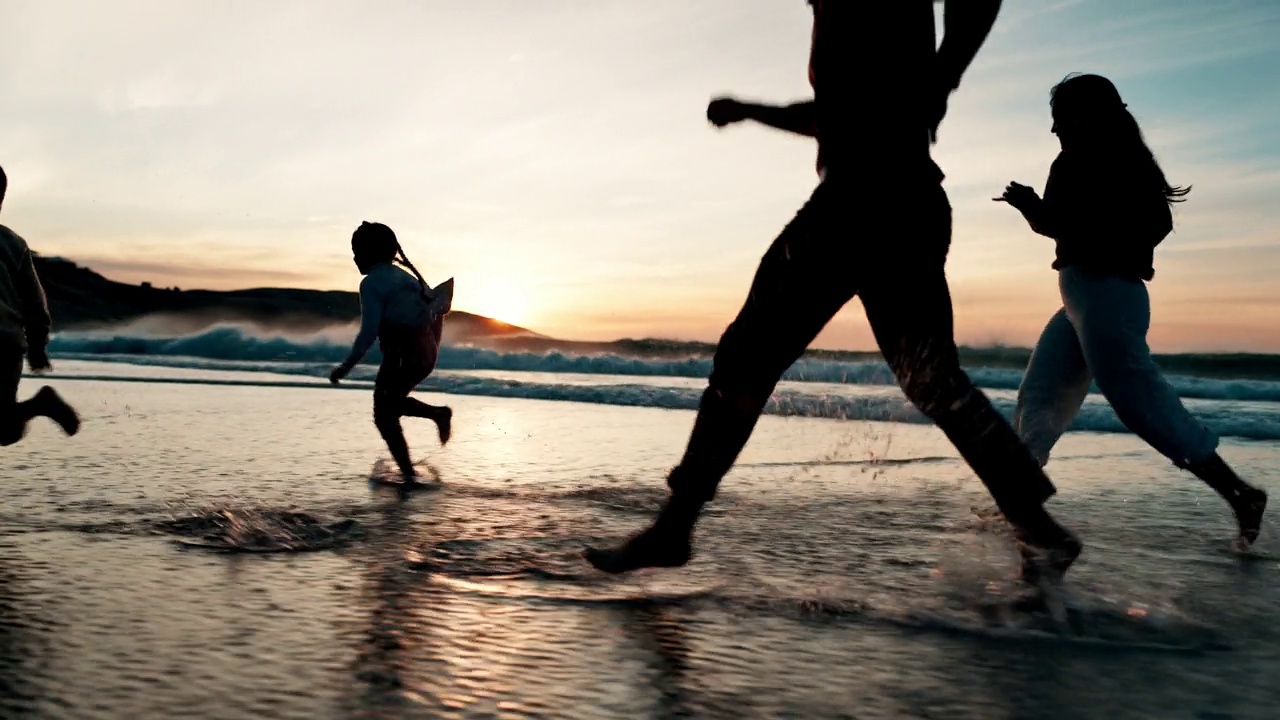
point(495, 298)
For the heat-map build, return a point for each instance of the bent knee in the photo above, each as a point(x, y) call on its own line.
point(745, 380)
point(738, 400)
point(937, 394)
point(1115, 358)
point(385, 411)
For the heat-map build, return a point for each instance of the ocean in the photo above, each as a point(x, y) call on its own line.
point(844, 571)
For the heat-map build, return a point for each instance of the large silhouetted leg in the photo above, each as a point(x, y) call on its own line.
point(1053, 388)
point(913, 327)
point(1111, 317)
point(802, 281)
point(15, 415)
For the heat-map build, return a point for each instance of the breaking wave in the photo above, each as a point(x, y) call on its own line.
point(236, 348)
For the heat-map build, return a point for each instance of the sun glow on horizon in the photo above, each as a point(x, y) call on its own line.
point(496, 298)
point(566, 175)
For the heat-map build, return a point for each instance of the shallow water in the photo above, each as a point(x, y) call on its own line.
point(841, 572)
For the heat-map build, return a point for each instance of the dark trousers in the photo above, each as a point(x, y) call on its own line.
point(14, 415)
point(886, 243)
point(409, 356)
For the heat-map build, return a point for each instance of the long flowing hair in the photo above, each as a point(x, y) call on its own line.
point(1094, 102)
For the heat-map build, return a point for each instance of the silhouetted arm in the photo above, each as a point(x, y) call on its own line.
point(35, 307)
point(799, 118)
point(1046, 216)
point(370, 322)
point(1041, 221)
point(966, 24)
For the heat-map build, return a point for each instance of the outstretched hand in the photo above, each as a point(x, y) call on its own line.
point(337, 374)
point(726, 111)
point(1019, 196)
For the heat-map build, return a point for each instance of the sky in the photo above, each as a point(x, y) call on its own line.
point(554, 156)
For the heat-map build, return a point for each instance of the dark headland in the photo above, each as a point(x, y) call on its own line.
point(81, 299)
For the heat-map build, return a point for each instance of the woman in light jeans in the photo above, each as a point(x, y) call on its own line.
point(1106, 204)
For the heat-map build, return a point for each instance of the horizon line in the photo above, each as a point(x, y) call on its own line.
point(992, 346)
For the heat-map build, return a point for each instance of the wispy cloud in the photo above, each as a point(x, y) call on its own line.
point(561, 147)
point(194, 277)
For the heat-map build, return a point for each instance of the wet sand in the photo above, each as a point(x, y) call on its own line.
point(841, 573)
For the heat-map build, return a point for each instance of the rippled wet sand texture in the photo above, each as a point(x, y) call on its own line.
point(841, 572)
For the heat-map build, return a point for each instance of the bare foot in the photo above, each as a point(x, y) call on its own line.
point(655, 547)
point(52, 406)
point(444, 425)
point(1249, 507)
point(667, 543)
point(1048, 560)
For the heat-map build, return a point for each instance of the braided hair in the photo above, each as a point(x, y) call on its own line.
point(379, 242)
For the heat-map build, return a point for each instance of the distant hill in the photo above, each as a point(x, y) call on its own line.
point(81, 299)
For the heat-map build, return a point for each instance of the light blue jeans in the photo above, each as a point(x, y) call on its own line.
point(1100, 336)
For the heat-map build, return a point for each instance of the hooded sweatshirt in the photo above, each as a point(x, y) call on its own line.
point(24, 312)
point(1106, 215)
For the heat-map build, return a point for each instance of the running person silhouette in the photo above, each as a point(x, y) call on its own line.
point(1107, 206)
point(878, 225)
point(24, 332)
point(407, 317)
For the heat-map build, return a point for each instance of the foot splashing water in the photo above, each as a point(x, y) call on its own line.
point(248, 530)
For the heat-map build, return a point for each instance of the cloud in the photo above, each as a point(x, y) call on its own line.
point(565, 143)
point(192, 277)
point(158, 92)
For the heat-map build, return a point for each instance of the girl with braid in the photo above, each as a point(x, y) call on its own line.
point(407, 316)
